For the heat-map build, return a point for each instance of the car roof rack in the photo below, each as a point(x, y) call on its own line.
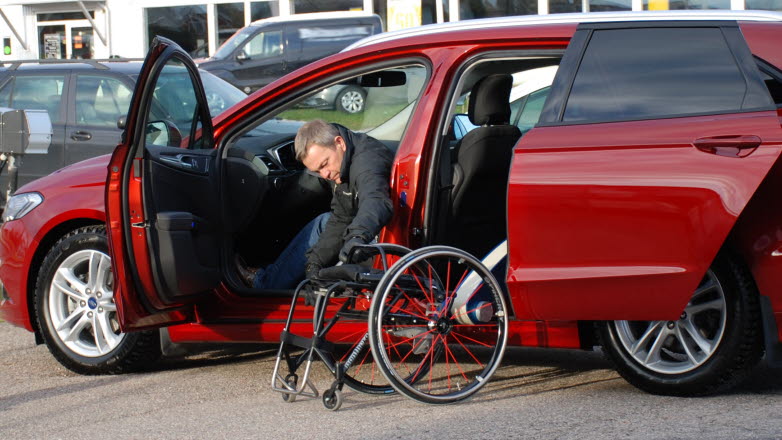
point(96, 63)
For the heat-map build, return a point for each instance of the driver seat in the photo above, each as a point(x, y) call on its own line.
point(480, 177)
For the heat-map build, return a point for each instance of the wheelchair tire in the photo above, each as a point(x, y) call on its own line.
point(438, 325)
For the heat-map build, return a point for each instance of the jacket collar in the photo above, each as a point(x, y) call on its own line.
point(344, 171)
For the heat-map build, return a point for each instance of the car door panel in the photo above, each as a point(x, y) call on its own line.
point(619, 227)
point(162, 203)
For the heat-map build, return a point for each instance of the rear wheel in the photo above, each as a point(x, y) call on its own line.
point(438, 325)
point(76, 312)
point(351, 99)
point(711, 347)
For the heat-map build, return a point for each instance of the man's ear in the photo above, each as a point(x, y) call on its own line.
point(339, 142)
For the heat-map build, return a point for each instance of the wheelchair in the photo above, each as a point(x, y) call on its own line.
point(430, 324)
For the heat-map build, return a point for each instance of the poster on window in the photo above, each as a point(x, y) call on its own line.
point(51, 46)
point(403, 14)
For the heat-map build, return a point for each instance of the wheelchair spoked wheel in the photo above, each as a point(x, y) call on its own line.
point(362, 374)
point(438, 325)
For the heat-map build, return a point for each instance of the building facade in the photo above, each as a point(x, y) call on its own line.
point(32, 29)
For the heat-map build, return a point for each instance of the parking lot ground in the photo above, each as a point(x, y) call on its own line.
point(224, 392)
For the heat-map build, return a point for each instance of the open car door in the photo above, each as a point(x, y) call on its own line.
point(162, 195)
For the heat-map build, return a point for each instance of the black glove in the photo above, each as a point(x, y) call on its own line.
point(311, 270)
point(358, 255)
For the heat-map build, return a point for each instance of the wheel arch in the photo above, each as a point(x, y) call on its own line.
point(756, 240)
point(45, 244)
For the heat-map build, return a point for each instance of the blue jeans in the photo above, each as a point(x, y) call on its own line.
point(288, 270)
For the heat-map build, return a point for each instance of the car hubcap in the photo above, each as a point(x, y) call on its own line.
point(673, 347)
point(352, 102)
point(81, 304)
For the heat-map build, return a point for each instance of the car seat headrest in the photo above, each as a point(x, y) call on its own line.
point(489, 100)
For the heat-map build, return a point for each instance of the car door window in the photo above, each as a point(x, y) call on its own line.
point(38, 92)
point(530, 110)
point(621, 76)
point(174, 116)
point(264, 45)
point(101, 101)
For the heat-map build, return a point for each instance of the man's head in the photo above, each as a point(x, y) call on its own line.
point(321, 149)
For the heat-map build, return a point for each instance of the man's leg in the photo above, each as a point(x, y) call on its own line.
point(288, 270)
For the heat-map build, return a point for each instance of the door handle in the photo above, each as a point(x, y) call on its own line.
point(81, 135)
point(728, 145)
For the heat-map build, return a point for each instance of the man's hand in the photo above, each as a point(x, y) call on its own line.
point(349, 245)
point(311, 270)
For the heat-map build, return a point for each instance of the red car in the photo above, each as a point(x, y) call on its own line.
point(641, 212)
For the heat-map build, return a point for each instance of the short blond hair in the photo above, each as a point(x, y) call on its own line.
point(316, 131)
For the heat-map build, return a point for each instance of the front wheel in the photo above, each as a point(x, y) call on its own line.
point(76, 313)
point(710, 348)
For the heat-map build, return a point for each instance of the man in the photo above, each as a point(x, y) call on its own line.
point(359, 167)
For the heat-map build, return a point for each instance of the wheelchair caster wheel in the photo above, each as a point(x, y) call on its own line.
point(291, 380)
point(332, 399)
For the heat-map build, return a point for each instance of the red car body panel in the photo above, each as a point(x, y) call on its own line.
point(639, 215)
point(74, 194)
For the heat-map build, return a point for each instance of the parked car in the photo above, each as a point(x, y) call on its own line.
point(640, 213)
point(84, 99)
point(269, 48)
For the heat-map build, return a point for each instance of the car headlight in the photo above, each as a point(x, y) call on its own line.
point(20, 204)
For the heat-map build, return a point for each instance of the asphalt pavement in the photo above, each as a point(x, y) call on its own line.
point(224, 392)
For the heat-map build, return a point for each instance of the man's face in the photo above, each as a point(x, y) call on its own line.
point(326, 161)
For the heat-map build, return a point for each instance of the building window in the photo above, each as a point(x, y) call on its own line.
point(658, 5)
point(56, 16)
point(261, 10)
point(230, 18)
point(185, 25)
point(497, 8)
point(767, 5)
point(610, 5)
point(562, 6)
point(306, 6)
point(426, 15)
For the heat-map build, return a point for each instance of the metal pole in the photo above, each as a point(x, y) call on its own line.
point(92, 22)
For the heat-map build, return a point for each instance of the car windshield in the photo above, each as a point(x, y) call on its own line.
point(232, 43)
point(220, 94)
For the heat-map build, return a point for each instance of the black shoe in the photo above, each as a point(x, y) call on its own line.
point(246, 273)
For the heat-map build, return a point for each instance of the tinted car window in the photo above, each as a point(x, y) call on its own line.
point(530, 110)
point(39, 92)
point(263, 45)
point(100, 100)
point(630, 74)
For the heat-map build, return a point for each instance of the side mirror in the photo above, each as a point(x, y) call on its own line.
point(163, 134)
point(122, 122)
point(242, 56)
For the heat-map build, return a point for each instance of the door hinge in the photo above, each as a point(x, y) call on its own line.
point(418, 232)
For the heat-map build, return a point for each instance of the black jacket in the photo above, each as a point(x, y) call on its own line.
point(361, 204)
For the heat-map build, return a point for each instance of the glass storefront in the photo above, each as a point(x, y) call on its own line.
point(469, 9)
point(610, 5)
point(265, 9)
point(186, 25)
point(768, 5)
point(230, 18)
point(657, 5)
point(307, 6)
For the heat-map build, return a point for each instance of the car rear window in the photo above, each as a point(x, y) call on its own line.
point(628, 74)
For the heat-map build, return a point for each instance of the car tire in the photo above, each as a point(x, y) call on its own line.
point(663, 357)
point(351, 99)
point(75, 310)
